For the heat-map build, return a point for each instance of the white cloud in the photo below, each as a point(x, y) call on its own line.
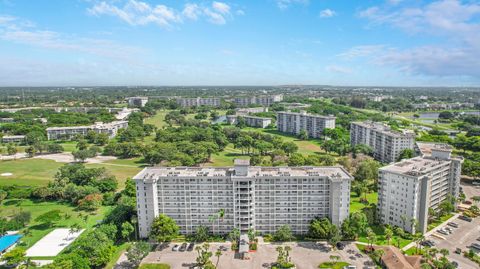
point(455, 22)
point(240, 12)
point(136, 12)
point(284, 4)
point(327, 13)
point(221, 7)
point(191, 11)
point(361, 51)
point(15, 31)
point(338, 69)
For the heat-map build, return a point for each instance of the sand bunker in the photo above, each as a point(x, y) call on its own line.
point(6, 174)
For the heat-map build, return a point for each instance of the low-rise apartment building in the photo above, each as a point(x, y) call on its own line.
point(111, 129)
point(295, 122)
point(259, 198)
point(199, 101)
point(251, 121)
point(387, 144)
point(13, 139)
point(262, 100)
point(407, 189)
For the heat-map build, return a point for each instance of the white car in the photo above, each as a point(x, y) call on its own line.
point(176, 248)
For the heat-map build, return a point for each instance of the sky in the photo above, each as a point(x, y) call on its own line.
point(233, 42)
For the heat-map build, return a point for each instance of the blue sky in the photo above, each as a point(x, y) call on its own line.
point(257, 42)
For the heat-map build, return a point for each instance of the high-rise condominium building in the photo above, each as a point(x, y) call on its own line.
point(111, 129)
point(138, 101)
point(407, 189)
point(263, 100)
point(189, 102)
point(294, 123)
point(387, 144)
point(259, 198)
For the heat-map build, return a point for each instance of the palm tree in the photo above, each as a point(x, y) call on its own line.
point(418, 238)
point(218, 253)
point(334, 259)
point(444, 252)
point(388, 235)
point(404, 220)
point(287, 253)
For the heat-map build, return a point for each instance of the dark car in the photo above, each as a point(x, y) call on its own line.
point(455, 264)
point(458, 251)
point(465, 218)
point(453, 224)
point(190, 246)
point(340, 245)
point(183, 247)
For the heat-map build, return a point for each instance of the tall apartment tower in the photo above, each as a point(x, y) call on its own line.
point(259, 198)
point(386, 143)
point(407, 189)
point(294, 123)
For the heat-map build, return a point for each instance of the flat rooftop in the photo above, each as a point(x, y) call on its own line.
point(96, 125)
point(306, 114)
point(425, 148)
point(383, 128)
point(415, 166)
point(253, 172)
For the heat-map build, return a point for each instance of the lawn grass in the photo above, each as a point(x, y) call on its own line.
point(413, 251)
point(381, 240)
point(154, 266)
point(28, 172)
point(310, 146)
point(37, 230)
point(336, 265)
point(158, 119)
point(226, 157)
point(439, 221)
point(357, 206)
point(38, 172)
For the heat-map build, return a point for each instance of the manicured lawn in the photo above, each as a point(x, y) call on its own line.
point(381, 240)
point(122, 173)
point(310, 146)
point(154, 266)
point(337, 265)
point(37, 230)
point(441, 220)
point(226, 157)
point(357, 206)
point(413, 251)
point(28, 172)
point(158, 119)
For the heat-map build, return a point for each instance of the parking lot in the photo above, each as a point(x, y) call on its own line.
point(463, 236)
point(305, 255)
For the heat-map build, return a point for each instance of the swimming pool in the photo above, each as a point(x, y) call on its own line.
point(7, 241)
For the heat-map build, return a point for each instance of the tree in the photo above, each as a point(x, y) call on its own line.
point(11, 149)
point(91, 202)
point(137, 251)
point(406, 154)
point(303, 135)
point(82, 144)
point(201, 234)
point(320, 228)
point(296, 159)
point(74, 228)
point(377, 254)
point(127, 230)
point(388, 235)
point(371, 237)
point(334, 259)
point(49, 218)
point(164, 228)
point(446, 115)
point(31, 151)
point(289, 148)
point(14, 257)
point(218, 253)
point(284, 233)
point(368, 170)
point(203, 256)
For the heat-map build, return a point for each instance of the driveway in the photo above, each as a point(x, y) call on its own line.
point(306, 255)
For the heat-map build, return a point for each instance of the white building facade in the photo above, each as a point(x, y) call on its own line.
point(294, 123)
point(111, 129)
point(199, 101)
point(251, 121)
point(263, 100)
point(407, 189)
point(259, 198)
point(139, 101)
point(386, 143)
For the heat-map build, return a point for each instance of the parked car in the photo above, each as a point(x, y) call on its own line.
point(340, 245)
point(427, 243)
point(183, 247)
point(443, 232)
point(476, 246)
point(448, 229)
point(458, 250)
point(453, 224)
point(476, 183)
point(465, 218)
point(175, 248)
point(455, 264)
point(190, 246)
point(350, 267)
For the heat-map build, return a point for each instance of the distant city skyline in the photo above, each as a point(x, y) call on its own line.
point(265, 42)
